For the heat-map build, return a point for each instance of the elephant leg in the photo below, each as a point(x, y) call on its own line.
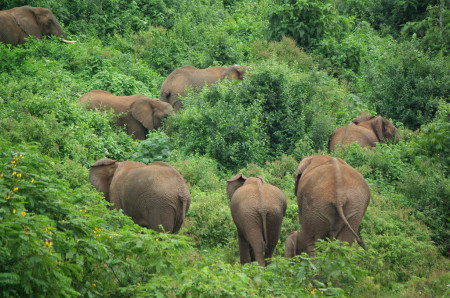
point(244, 250)
point(164, 216)
point(273, 233)
point(257, 244)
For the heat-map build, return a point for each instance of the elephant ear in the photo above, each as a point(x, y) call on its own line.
point(234, 72)
point(101, 174)
point(234, 183)
point(301, 168)
point(142, 111)
point(261, 178)
point(379, 127)
point(362, 118)
point(26, 19)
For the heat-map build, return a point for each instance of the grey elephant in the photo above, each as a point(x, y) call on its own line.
point(189, 76)
point(138, 112)
point(366, 130)
point(257, 209)
point(332, 199)
point(152, 195)
point(20, 22)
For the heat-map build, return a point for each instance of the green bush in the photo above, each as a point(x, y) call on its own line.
point(406, 84)
point(226, 131)
point(306, 21)
point(154, 148)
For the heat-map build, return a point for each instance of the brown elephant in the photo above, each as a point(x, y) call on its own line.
point(366, 130)
point(151, 195)
point(20, 22)
point(191, 77)
point(139, 113)
point(332, 199)
point(257, 209)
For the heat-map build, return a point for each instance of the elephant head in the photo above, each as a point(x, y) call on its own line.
point(234, 72)
point(366, 130)
point(150, 111)
point(382, 127)
point(101, 174)
point(29, 21)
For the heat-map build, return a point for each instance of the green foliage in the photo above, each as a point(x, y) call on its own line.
point(226, 131)
point(306, 21)
point(388, 15)
point(52, 231)
point(154, 148)
point(435, 36)
point(434, 139)
point(232, 121)
point(285, 51)
point(406, 84)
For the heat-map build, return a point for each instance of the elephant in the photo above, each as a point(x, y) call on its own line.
point(139, 113)
point(332, 199)
point(152, 195)
point(257, 209)
point(189, 76)
point(366, 130)
point(20, 22)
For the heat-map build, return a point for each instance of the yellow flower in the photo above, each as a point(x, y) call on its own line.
point(13, 161)
point(1, 175)
point(48, 243)
point(14, 211)
point(19, 175)
point(20, 156)
point(32, 180)
point(16, 188)
point(7, 197)
point(14, 173)
point(23, 213)
point(138, 283)
point(94, 284)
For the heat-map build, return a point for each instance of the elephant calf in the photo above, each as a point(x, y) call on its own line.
point(366, 130)
point(332, 199)
point(152, 195)
point(138, 112)
point(257, 209)
point(191, 77)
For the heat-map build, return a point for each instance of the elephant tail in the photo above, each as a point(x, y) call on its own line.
point(342, 216)
point(184, 210)
point(264, 220)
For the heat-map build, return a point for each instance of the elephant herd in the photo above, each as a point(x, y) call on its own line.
point(332, 196)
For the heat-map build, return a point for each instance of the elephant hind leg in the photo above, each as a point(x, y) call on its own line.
point(244, 250)
point(257, 245)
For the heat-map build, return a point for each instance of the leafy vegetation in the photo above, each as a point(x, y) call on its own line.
point(313, 66)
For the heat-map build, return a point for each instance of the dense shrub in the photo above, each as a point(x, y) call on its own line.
point(406, 84)
point(306, 21)
point(281, 106)
point(388, 15)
